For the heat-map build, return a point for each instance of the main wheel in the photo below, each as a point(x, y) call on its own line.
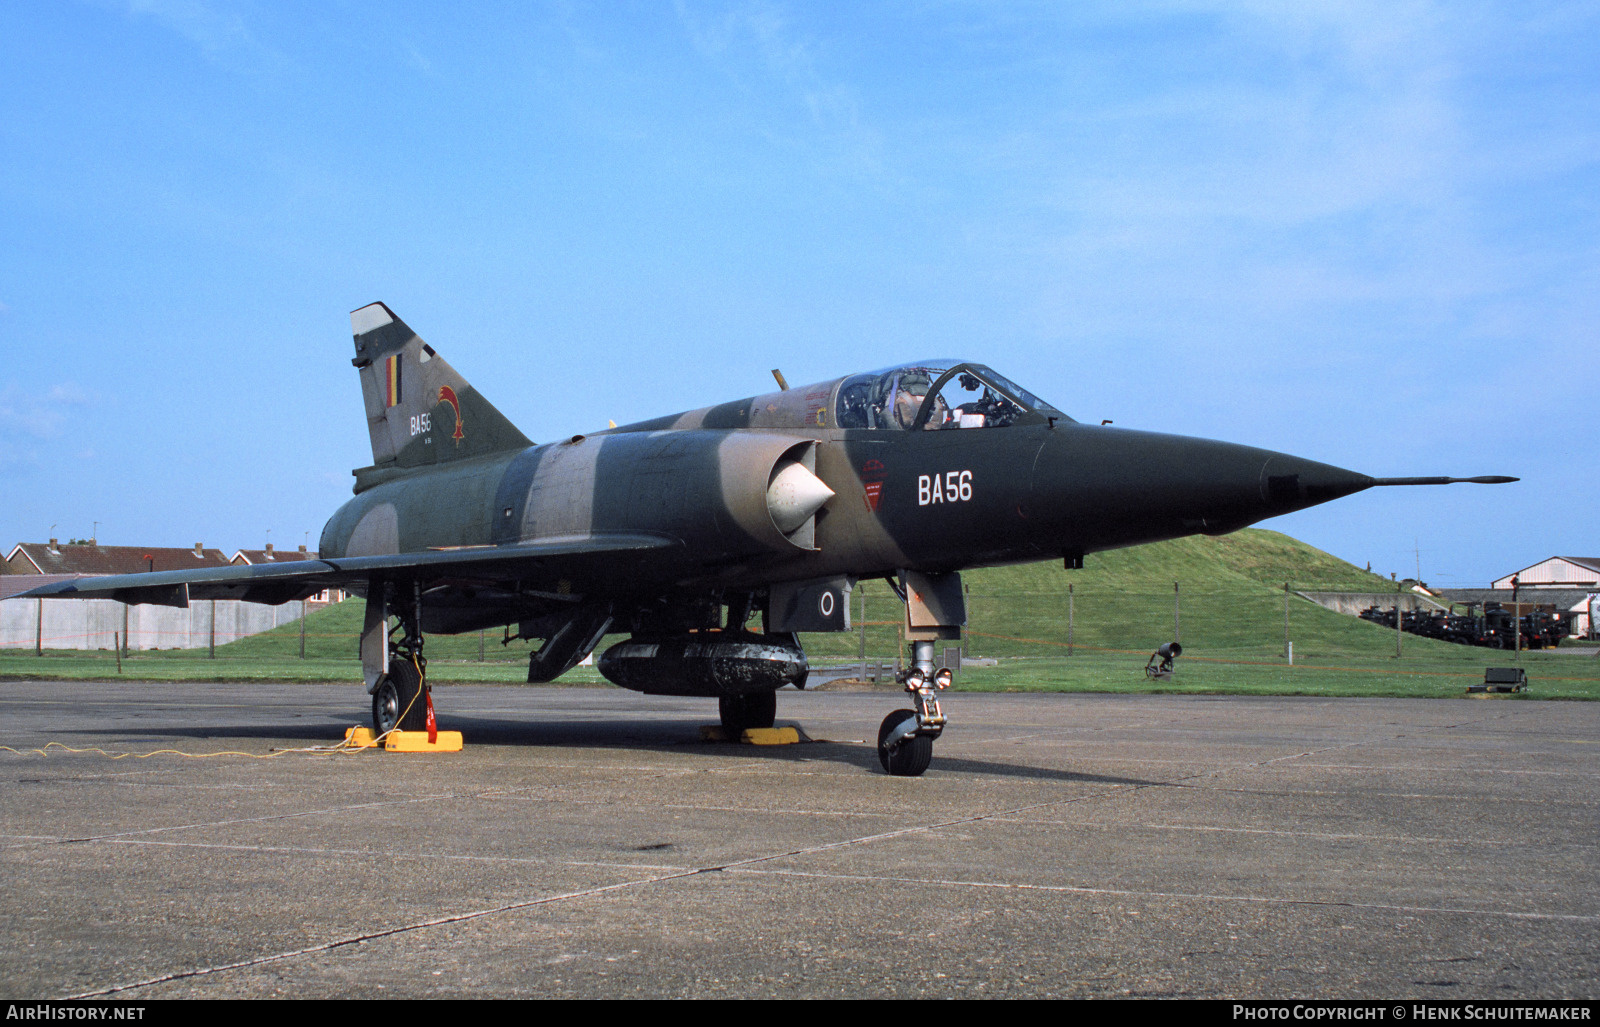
point(912, 756)
point(398, 701)
point(757, 709)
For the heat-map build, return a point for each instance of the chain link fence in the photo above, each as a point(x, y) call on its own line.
point(1298, 621)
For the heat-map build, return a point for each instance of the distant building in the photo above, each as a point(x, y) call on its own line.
point(1557, 572)
point(270, 555)
point(1571, 583)
point(91, 558)
point(103, 623)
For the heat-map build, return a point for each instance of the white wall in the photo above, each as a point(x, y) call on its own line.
point(91, 623)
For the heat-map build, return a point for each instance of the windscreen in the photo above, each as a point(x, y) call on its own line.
point(936, 396)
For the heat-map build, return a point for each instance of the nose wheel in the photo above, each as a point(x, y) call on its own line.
point(902, 751)
point(905, 738)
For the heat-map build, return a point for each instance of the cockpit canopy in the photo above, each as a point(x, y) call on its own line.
point(936, 395)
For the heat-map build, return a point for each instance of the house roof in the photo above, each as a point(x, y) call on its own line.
point(1587, 563)
point(270, 555)
point(98, 559)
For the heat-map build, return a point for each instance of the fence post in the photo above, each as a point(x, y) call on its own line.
point(1516, 622)
point(1177, 627)
point(123, 651)
point(302, 629)
point(116, 646)
point(1070, 618)
point(480, 643)
point(213, 629)
point(863, 653)
point(1399, 620)
point(1287, 650)
point(38, 631)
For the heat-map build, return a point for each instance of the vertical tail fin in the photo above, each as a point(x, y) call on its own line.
point(419, 410)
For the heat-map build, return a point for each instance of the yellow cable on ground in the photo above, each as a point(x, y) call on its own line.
point(45, 751)
point(342, 746)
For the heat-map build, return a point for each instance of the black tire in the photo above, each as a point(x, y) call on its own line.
point(400, 692)
point(912, 756)
point(757, 709)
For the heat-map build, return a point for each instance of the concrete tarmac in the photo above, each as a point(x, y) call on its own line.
point(587, 844)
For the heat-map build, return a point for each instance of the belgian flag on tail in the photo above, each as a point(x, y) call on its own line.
point(391, 381)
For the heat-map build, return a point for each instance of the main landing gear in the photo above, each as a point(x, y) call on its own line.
point(905, 738)
point(401, 698)
point(399, 683)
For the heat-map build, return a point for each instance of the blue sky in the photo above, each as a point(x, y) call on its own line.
point(1367, 234)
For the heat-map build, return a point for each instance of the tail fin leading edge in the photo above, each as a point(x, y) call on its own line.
point(419, 410)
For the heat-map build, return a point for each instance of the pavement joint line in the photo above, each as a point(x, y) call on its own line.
point(1326, 836)
point(696, 807)
point(256, 820)
point(374, 854)
point(749, 865)
point(510, 907)
point(1140, 894)
point(374, 935)
point(1445, 796)
point(1369, 766)
point(1113, 791)
point(925, 828)
point(1453, 770)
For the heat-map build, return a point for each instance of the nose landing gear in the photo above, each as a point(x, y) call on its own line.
point(936, 609)
point(905, 738)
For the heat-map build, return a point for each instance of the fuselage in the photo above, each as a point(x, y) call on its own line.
point(931, 498)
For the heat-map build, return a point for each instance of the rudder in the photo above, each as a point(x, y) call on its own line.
point(420, 411)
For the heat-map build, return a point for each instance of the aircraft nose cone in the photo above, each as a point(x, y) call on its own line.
point(1107, 487)
point(1291, 483)
point(1217, 487)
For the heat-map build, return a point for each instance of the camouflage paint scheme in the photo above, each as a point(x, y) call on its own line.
point(1042, 488)
point(666, 523)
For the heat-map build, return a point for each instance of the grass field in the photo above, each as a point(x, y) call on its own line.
point(1049, 630)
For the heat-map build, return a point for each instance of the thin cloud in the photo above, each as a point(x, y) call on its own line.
point(24, 412)
point(216, 27)
point(761, 48)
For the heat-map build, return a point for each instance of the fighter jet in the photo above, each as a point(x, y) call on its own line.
point(714, 538)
